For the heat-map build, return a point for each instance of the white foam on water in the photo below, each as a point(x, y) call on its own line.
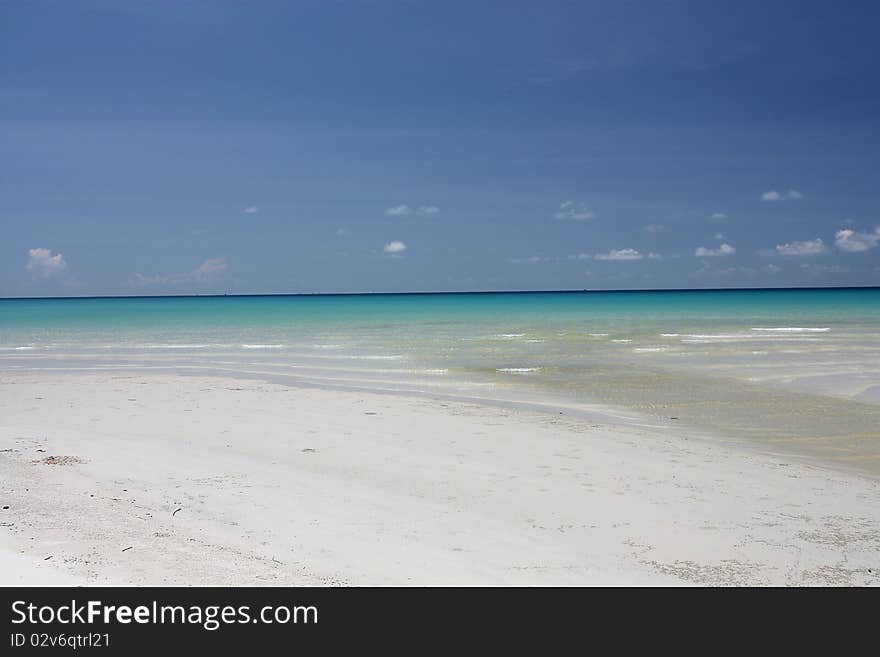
point(327, 346)
point(508, 336)
point(170, 346)
point(622, 341)
point(434, 371)
point(534, 340)
point(650, 349)
point(598, 335)
point(744, 337)
point(262, 346)
point(699, 341)
point(395, 357)
point(794, 329)
point(517, 370)
point(669, 335)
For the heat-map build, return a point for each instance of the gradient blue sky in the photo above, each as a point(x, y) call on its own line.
point(179, 147)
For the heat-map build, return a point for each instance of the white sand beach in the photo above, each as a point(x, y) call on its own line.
point(140, 478)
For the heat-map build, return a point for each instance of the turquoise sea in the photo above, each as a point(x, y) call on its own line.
point(794, 369)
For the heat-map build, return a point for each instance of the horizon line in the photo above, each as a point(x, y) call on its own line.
point(446, 292)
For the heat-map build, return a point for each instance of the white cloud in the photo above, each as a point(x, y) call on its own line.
point(726, 272)
point(853, 242)
point(619, 254)
point(655, 228)
point(571, 211)
point(723, 250)
point(614, 254)
point(395, 246)
point(825, 269)
point(773, 195)
point(42, 264)
point(718, 215)
point(805, 248)
point(773, 269)
point(251, 210)
point(208, 271)
point(403, 210)
point(148, 280)
point(531, 260)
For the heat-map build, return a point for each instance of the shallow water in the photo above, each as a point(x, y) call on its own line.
point(795, 369)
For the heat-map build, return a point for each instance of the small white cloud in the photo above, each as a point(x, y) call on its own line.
point(773, 269)
point(825, 269)
point(655, 256)
point(531, 260)
point(148, 280)
point(655, 228)
point(805, 248)
point(719, 215)
point(852, 242)
point(404, 210)
point(395, 246)
point(773, 195)
point(251, 210)
point(208, 271)
point(43, 265)
point(571, 211)
point(619, 254)
point(723, 250)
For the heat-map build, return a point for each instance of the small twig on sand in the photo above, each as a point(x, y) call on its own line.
point(47, 558)
point(175, 511)
point(276, 561)
point(128, 548)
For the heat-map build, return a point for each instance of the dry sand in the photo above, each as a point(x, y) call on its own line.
point(163, 479)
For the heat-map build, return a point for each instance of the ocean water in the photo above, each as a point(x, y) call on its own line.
point(796, 370)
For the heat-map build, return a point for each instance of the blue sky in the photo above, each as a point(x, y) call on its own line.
point(180, 147)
